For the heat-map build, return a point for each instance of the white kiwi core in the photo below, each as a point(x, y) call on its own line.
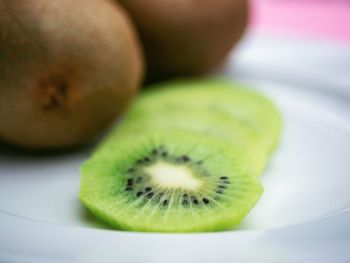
point(169, 175)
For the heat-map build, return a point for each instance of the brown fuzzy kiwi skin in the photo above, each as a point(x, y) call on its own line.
point(68, 69)
point(187, 37)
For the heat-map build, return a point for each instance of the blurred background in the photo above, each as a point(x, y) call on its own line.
point(300, 42)
point(315, 19)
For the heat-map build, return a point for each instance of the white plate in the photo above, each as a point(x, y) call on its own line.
point(303, 215)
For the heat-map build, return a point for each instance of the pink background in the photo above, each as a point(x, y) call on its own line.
point(325, 19)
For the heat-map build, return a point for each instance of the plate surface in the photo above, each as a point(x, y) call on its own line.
point(304, 212)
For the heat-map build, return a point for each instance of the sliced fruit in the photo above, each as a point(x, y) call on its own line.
point(218, 125)
point(169, 182)
point(248, 107)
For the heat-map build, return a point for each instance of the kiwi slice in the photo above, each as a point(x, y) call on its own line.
point(219, 125)
point(248, 107)
point(169, 181)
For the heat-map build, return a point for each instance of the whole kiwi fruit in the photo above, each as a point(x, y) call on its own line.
point(67, 70)
point(187, 37)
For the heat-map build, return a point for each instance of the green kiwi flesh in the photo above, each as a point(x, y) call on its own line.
point(250, 108)
point(169, 181)
point(218, 125)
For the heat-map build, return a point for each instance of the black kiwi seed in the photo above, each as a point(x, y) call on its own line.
point(194, 200)
point(130, 181)
point(146, 159)
point(219, 192)
point(148, 189)
point(222, 186)
point(130, 170)
point(129, 188)
point(185, 196)
point(205, 201)
point(185, 202)
point(149, 195)
point(185, 158)
point(223, 177)
point(165, 202)
point(139, 194)
point(164, 154)
point(139, 161)
point(155, 151)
